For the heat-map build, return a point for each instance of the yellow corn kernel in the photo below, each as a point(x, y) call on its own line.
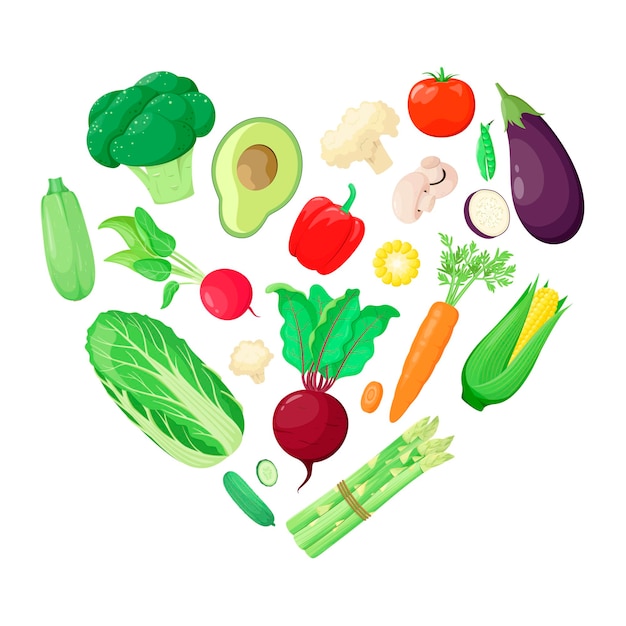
point(396, 263)
point(542, 308)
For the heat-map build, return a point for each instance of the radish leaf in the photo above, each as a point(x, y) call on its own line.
point(126, 227)
point(168, 292)
point(154, 269)
point(161, 243)
point(128, 258)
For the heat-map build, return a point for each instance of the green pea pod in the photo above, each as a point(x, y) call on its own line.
point(69, 255)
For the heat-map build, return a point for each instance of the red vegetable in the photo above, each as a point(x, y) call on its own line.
point(226, 294)
point(441, 106)
point(310, 426)
point(325, 234)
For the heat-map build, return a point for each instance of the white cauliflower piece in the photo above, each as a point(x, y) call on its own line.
point(251, 358)
point(357, 138)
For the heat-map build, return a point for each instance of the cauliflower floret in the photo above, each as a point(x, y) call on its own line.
point(357, 138)
point(251, 358)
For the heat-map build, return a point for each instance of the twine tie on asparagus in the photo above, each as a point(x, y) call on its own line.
point(352, 501)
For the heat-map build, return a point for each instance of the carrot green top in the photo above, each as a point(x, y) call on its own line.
point(461, 267)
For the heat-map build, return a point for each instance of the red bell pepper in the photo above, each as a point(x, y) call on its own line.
point(325, 234)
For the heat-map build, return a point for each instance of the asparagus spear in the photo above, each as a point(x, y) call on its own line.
point(382, 480)
point(331, 517)
point(418, 433)
point(376, 501)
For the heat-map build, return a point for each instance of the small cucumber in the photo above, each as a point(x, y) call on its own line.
point(266, 472)
point(247, 500)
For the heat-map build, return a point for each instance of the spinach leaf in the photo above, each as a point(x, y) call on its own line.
point(300, 320)
point(160, 242)
point(334, 330)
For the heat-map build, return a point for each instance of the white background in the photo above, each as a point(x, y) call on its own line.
point(524, 526)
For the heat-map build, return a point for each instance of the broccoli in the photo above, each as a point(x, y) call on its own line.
point(151, 128)
point(357, 138)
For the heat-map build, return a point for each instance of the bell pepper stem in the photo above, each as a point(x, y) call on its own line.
point(348, 204)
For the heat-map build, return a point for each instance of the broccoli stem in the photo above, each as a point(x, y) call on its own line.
point(168, 182)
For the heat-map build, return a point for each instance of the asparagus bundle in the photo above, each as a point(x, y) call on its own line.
point(353, 500)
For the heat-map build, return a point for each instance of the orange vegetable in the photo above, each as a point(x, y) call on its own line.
point(430, 341)
point(372, 395)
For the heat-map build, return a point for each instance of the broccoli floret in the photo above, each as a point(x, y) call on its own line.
point(152, 128)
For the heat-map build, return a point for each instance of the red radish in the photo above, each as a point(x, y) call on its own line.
point(226, 294)
point(310, 426)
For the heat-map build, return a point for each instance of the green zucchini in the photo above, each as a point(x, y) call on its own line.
point(67, 246)
point(247, 500)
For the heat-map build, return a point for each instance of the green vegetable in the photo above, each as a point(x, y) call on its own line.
point(353, 500)
point(328, 338)
point(266, 472)
point(151, 252)
point(247, 500)
point(460, 268)
point(67, 245)
point(485, 155)
point(498, 366)
point(151, 128)
point(164, 388)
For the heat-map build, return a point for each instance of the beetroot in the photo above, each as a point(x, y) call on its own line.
point(325, 339)
point(310, 426)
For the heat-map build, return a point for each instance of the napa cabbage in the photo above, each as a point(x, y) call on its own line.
point(164, 388)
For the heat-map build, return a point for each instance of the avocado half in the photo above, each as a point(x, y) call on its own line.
point(256, 170)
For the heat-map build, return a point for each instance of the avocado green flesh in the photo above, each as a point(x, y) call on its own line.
point(242, 210)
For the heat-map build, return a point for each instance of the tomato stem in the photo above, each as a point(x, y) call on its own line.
point(441, 77)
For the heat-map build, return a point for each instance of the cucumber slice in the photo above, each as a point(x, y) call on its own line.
point(266, 472)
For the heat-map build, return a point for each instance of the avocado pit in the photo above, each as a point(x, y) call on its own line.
point(257, 167)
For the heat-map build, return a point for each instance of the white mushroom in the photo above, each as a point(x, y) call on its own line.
point(412, 197)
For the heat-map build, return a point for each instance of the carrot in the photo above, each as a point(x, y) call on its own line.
point(372, 395)
point(427, 348)
point(458, 269)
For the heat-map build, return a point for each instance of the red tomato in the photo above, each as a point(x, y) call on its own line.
point(441, 106)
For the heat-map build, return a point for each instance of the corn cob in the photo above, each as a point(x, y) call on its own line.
point(543, 306)
point(502, 360)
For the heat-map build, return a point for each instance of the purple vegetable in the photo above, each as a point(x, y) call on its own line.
point(546, 190)
point(487, 213)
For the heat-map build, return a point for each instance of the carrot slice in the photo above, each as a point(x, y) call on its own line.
point(372, 395)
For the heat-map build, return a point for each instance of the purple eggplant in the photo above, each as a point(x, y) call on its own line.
point(546, 190)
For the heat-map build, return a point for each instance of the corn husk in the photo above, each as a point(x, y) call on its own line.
point(488, 377)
